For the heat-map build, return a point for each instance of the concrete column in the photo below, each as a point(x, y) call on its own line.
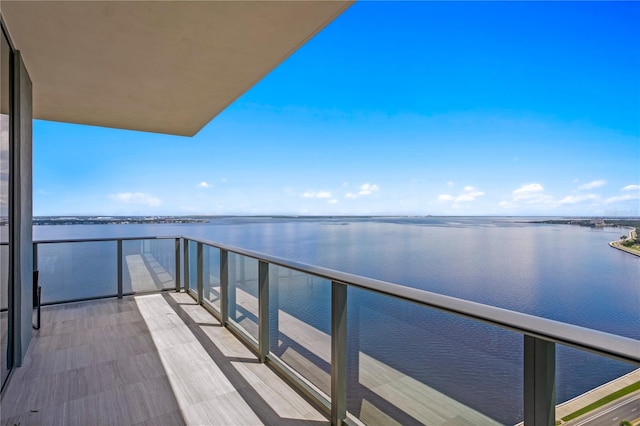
point(21, 207)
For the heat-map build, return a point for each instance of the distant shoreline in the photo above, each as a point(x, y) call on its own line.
point(115, 220)
point(633, 234)
point(632, 222)
point(594, 223)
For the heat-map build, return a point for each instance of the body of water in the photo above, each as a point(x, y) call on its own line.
point(562, 272)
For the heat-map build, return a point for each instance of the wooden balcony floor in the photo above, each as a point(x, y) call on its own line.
point(148, 360)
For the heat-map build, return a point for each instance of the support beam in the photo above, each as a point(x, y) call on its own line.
point(185, 259)
point(224, 287)
point(120, 272)
point(539, 382)
point(177, 265)
point(338, 353)
point(263, 310)
point(199, 272)
point(35, 256)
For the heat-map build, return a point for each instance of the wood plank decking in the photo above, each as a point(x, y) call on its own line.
point(153, 359)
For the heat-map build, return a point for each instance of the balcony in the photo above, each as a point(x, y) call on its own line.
point(174, 330)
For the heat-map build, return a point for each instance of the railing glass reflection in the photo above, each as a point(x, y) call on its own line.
point(211, 276)
point(300, 324)
point(243, 293)
point(77, 270)
point(192, 259)
point(148, 265)
point(408, 364)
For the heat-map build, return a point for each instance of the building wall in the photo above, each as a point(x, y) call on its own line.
point(23, 202)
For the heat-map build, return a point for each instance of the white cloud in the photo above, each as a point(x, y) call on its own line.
point(593, 184)
point(204, 185)
point(631, 188)
point(450, 183)
point(318, 194)
point(530, 188)
point(137, 198)
point(574, 199)
point(531, 194)
point(633, 193)
point(332, 201)
point(530, 191)
point(365, 189)
point(470, 194)
point(625, 197)
point(368, 189)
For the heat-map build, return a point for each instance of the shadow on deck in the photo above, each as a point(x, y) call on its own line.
point(149, 359)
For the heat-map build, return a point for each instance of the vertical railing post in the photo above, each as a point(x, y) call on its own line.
point(119, 250)
point(338, 353)
point(177, 265)
point(37, 290)
point(185, 263)
point(224, 287)
point(263, 310)
point(199, 271)
point(539, 382)
point(35, 256)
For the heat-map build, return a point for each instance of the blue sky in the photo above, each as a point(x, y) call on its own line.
point(409, 108)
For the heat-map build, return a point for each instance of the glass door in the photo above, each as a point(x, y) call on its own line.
point(5, 200)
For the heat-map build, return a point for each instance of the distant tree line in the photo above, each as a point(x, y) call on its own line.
point(630, 242)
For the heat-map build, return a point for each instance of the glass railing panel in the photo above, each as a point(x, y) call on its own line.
point(243, 292)
point(148, 265)
point(408, 364)
point(4, 280)
point(300, 323)
point(192, 246)
point(81, 270)
point(595, 389)
point(211, 276)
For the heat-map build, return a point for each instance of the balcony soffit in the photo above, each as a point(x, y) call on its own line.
point(155, 66)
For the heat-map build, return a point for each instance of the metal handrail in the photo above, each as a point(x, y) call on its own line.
point(97, 240)
point(600, 342)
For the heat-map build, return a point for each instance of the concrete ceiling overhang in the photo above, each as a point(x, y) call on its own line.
point(155, 66)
